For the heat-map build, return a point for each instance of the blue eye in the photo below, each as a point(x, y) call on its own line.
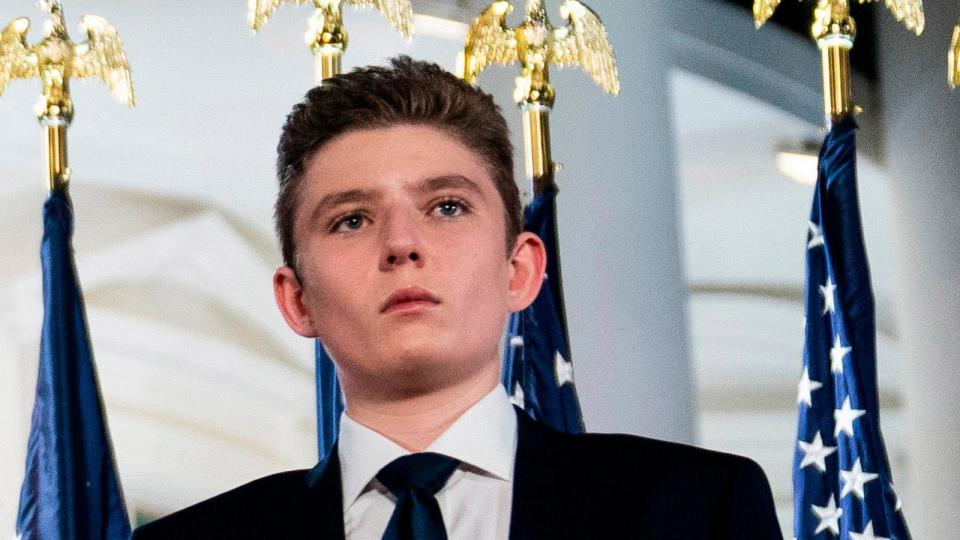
point(352, 222)
point(450, 208)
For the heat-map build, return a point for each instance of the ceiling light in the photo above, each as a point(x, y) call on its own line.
point(798, 161)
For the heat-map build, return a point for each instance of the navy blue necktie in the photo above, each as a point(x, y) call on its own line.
point(414, 480)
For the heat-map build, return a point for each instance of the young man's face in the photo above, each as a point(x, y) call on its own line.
point(403, 268)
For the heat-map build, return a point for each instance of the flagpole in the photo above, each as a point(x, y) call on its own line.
point(326, 36)
point(953, 58)
point(55, 60)
point(536, 44)
point(535, 109)
point(835, 31)
point(71, 487)
point(327, 39)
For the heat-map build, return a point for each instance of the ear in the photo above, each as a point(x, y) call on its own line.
point(528, 264)
point(289, 296)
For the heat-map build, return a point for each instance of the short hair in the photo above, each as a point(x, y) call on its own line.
point(408, 92)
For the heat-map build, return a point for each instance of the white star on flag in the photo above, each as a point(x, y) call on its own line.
point(854, 479)
point(826, 291)
point(518, 398)
point(836, 355)
point(899, 504)
point(829, 516)
point(563, 370)
point(815, 453)
point(816, 239)
point(844, 417)
point(805, 387)
point(867, 534)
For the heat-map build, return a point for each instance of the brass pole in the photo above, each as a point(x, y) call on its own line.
point(58, 173)
point(536, 144)
point(327, 38)
point(953, 58)
point(835, 31)
point(327, 62)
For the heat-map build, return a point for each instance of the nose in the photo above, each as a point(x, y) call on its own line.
point(401, 241)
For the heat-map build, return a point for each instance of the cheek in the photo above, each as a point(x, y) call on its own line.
point(334, 277)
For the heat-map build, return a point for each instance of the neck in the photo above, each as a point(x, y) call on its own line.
point(414, 422)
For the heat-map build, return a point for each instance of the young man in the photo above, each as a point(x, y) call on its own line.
point(400, 227)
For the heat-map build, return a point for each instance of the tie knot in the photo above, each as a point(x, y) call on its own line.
point(428, 471)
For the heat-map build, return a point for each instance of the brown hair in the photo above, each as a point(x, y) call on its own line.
point(406, 92)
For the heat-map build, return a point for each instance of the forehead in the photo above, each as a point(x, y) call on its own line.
point(391, 158)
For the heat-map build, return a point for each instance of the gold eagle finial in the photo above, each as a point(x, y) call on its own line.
point(398, 13)
point(536, 44)
point(953, 58)
point(56, 60)
point(909, 12)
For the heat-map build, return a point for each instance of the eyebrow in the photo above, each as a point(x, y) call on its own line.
point(334, 200)
point(451, 181)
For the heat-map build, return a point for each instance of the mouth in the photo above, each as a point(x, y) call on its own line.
point(409, 299)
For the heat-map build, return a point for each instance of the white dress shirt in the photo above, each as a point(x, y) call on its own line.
point(475, 502)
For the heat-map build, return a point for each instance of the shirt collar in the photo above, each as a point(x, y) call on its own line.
point(485, 437)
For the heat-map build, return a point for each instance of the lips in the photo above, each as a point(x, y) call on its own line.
point(409, 298)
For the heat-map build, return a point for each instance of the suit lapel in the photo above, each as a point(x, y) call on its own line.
point(325, 500)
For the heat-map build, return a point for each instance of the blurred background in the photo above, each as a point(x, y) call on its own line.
point(683, 221)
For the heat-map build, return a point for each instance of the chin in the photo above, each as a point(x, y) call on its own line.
point(423, 367)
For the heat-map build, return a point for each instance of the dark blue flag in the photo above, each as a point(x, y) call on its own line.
point(841, 476)
point(537, 368)
point(329, 402)
point(71, 488)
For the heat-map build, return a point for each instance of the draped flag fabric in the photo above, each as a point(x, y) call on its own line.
point(329, 402)
point(71, 489)
point(841, 475)
point(537, 369)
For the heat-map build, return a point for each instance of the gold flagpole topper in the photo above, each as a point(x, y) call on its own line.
point(536, 44)
point(55, 60)
point(326, 35)
point(953, 58)
point(835, 31)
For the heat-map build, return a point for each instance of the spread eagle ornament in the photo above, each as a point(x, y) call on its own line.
point(835, 31)
point(398, 13)
point(326, 35)
point(953, 58)
point(56, 60)
point(536, 44)
point(909, 12)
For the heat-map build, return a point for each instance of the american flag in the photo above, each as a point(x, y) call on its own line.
point(537, 368)
point(71, 488)
point(841, 475)
point(329, 401)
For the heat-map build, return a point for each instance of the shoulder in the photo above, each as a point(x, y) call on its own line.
point(631, 452)
point(667, 489)
point(632, 455)
point(250, 505)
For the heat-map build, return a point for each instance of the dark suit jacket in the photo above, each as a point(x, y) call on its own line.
point(565, 486)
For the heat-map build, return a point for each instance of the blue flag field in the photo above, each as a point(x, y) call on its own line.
point(329, 401)
point(71, 489)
